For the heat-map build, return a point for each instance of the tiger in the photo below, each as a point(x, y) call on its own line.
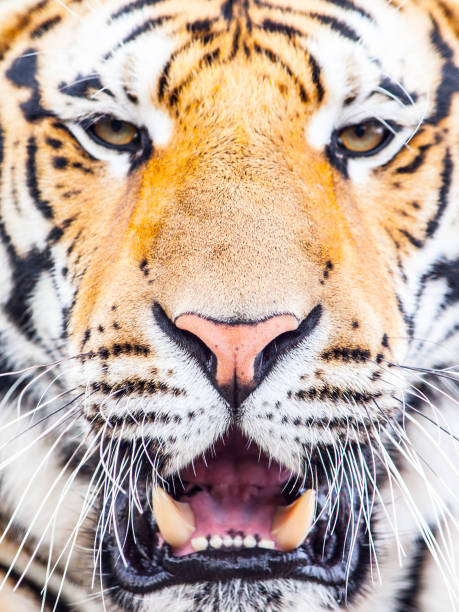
point(229, 319)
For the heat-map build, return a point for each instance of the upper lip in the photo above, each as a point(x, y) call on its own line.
point(334, 553)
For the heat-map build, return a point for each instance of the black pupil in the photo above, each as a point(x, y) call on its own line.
point(116, 125)
point(361, 130)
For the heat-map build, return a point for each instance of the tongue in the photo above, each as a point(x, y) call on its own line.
point(235, 492)
point(237, 496)
point(234, 510)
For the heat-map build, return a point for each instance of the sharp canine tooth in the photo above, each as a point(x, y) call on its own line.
point(265, 543)
point(199, 543)
point(216, 541)
point(175, 519)
point(250, 542)
point(291, 524)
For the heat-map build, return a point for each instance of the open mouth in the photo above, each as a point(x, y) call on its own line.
point(234, 513)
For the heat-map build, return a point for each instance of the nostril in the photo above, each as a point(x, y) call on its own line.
point(193, 345)
point(267, 358)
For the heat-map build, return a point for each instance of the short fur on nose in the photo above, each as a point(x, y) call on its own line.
point(236, 346)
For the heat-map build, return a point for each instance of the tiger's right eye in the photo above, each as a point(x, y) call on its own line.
point(115, 133)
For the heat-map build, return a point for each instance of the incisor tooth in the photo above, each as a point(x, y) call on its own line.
point(228, 541)
point(216, 541)
point(175, 519)
point(291, 524)
point(200, 543)
point(249, 541)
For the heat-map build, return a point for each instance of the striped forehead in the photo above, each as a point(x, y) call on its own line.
point(147, 44)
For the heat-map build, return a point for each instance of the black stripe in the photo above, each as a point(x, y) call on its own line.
point(26, 273)
point(337, 26)
point(236, 41)
point(200, 25)
point(401, 269)
point(32, 181)
point(446, 177)
point(45, 27)
point(408, 597)
point(23, 70)
point(277, 60)
point(417, 161)
point(34, 589)
point(447, 270)
point(350, 6)
point(414, 241)
point(162, 82)
point(147, 26)
point(408, 319)
point(446, 10)
point(227, 9)
point(337, 159)
point(346, 5)
point(23, 73)
point(315, 70)
point(207, 60)
point(282, 28)
point(132, 7)
point(398, 91)
point(450, 77)
point(5, 238)
point(205, 38)
point(83, 86)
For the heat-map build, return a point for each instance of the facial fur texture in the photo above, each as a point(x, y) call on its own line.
point(241, 205)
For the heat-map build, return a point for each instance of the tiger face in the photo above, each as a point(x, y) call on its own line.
point(229, 303)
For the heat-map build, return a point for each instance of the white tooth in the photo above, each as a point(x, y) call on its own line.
point(175, 519)
point(199, 543)
point(228, 541)
point(216, 541)
point(250, 542)
point(237, 541)
point(291, 524)
point(265, 543)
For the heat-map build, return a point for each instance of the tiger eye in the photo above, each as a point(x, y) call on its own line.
point(363, 137)
point(115, 132)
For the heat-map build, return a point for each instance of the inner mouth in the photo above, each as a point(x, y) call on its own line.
point(234, 497)
point(234, 513)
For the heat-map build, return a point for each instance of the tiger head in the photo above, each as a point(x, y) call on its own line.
point(229, 290)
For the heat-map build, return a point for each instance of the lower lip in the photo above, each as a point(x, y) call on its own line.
point(154, 566)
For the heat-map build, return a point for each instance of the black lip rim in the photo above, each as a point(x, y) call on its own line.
point(161, 569)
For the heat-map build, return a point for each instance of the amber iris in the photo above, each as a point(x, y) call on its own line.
point(363, 137)
point(115, 132)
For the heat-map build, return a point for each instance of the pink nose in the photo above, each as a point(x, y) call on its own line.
point(236, 346)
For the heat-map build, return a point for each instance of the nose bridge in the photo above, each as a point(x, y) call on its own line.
point(226, 221)
point(231, 249)
point(236, 346)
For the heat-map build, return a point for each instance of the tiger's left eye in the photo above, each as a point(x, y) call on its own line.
point(364, 138)
point(115, 133)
